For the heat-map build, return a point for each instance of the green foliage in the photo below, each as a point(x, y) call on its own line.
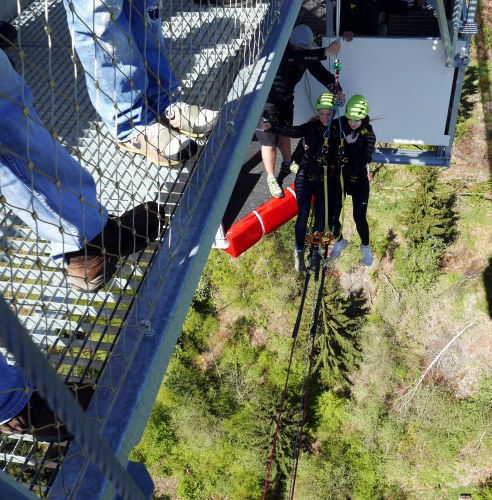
point(339, 466)
point(202, 300)
point(431, 225)
point(158, 439)
point(214, 422)
point(387, 246)
point(431, 214)
point(337, 346)
point(485, 491)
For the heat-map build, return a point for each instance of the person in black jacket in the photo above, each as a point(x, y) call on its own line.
point(352, 141)
point(311, 155)
point(297, 59)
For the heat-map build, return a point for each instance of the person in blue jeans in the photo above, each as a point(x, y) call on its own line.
point(15, 391)
point(41, 183)
point(24, 411)
point(121, 47)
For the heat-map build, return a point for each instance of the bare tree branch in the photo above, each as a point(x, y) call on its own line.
point(409, 395)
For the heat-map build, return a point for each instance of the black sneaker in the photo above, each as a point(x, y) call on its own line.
point(38, 419)
point(289, 167)
point(90, 268)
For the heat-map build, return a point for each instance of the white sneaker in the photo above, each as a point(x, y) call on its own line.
point(338, 247)
point(190, 120)
point(299, 263)
point(366, 254)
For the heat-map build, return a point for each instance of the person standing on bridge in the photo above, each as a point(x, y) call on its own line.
point(299, 57)
point(24, 411)
point(41, 183)
point(121, 47)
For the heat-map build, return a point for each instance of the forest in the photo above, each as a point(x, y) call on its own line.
point(397, 377)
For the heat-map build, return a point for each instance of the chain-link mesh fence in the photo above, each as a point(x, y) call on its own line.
point(86, 64)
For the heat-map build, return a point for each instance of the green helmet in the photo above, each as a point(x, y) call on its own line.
point(325, 101)
point(357, 107)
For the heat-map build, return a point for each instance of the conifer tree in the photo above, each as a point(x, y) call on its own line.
point(337, 345)
point(431, 214)
point(431, 226)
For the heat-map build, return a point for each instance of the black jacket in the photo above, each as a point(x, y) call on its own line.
point(354, 157)
point(311, 152)
point(292, 67)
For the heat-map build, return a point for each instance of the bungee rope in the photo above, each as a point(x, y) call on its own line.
point(318, 295)
point(316, 240)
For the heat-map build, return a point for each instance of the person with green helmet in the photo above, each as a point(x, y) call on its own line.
point(311, 154)
point(352, 142)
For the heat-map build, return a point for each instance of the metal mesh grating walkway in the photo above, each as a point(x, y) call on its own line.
point(213, 51)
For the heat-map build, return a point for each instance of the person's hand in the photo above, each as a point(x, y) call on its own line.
point(351, 138)
point(348, 36)
point(266, 126)
point(333, 48)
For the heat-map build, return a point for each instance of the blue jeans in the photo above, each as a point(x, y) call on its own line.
point(128, 77)
point(14, 390)
point(39, 181)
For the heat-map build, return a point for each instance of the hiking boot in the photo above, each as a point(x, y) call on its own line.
point(289, 167)
point(337, 248)
point(299, 263)
point(91, 267)
point(190, 120)
point(161, 145)
point(366, 255)
point(38, 419)
point(275, 190)
point(89, 274)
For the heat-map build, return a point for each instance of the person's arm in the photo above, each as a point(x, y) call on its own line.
point(359, 149)
point(303, 57)
point(327, 79)
point(369, 145)
point(293, 131)
point(321, 74)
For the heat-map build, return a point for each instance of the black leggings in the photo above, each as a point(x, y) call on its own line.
point(358, 188)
